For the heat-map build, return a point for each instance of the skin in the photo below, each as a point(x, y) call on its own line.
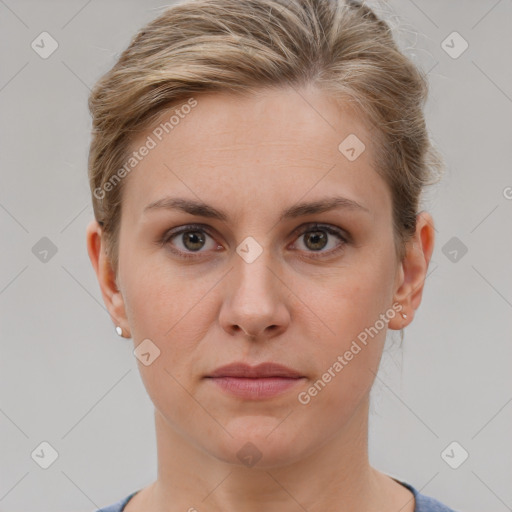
point(253, 158)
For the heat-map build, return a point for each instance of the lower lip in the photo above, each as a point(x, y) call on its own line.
point(255, 388)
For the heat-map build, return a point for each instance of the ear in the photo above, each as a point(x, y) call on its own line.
point(413, 270)
point(106, 277)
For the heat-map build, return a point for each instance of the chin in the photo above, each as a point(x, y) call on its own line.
point(260, 442)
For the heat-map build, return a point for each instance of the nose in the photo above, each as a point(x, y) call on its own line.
point(254, 302)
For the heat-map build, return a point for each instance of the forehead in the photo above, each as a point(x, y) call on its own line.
point(261, 151)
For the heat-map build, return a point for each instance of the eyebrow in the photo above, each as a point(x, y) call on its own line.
point(201, 209)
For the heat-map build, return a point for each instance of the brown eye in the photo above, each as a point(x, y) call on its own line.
point(315, 240)
point(317, 237)
point(193, 240)
point(188, 240)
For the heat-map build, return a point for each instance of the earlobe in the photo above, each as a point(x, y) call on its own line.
point(112, 297)
point(413, 270)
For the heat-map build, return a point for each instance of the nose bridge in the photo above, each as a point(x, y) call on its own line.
point(254, 304)
point(253, 273)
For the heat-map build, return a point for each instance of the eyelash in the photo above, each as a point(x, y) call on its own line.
point(343, 236)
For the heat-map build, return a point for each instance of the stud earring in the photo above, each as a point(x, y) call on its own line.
point(119, 330)
point(404, 316)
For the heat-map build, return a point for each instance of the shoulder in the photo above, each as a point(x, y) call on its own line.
point(118, 506)
point(426, 503)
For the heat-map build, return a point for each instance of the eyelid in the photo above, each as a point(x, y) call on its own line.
point(344, 237)
point(311, 226)
point(184, 228)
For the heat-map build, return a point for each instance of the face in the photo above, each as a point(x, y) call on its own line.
point(256, 276)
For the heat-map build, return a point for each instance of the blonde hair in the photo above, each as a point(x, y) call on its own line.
point(242, 46)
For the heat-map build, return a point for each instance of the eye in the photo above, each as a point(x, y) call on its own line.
point(317, 237)
point(188, 240)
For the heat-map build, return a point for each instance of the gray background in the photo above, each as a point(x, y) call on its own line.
point(67, 379)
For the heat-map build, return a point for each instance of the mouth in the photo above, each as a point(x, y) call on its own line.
point(265, 380)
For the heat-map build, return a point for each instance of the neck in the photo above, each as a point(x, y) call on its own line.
point(334, 476)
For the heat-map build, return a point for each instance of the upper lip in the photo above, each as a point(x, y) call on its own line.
point(267, 369)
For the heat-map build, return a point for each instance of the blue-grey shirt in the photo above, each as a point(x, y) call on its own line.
point(423, 503)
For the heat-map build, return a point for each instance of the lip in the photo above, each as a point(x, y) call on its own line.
point(265, 380)
point(263, 370)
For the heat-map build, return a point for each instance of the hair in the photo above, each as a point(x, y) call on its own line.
point(243, 46)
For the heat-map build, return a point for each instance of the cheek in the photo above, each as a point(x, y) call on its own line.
point(151, 304)
point(350, 299)
point(171, 309)
point(346, 365)
point(355, 305)
point(158, 299)
point(161, 308)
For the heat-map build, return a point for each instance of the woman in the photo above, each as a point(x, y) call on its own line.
point(256, 169)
